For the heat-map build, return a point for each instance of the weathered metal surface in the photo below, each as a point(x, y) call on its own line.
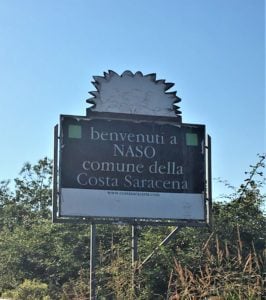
point(134, 94)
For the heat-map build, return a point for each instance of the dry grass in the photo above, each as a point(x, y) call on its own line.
point(221, 275)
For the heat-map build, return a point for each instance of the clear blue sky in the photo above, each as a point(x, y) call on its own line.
point(213, 50)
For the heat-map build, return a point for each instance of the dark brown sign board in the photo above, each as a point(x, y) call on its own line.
point(132, 168)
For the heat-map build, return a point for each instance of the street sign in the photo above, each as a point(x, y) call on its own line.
point(125, 166)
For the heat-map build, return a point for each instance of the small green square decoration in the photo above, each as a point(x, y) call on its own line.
point(74, 131)
point(192, 139)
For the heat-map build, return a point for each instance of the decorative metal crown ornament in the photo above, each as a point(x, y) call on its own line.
point(133, 94)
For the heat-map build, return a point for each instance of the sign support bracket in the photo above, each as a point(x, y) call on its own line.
point(164, 242)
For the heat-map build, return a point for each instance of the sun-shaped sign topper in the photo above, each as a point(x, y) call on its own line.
point(134, 94)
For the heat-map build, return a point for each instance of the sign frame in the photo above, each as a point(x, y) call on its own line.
point(57, 184)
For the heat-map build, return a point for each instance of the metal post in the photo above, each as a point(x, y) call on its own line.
point(209, 188)
point(55, 191)
point(134, 245)
point(92, 262)
point(134, 248)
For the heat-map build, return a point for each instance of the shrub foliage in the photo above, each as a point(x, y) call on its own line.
point(41, 260)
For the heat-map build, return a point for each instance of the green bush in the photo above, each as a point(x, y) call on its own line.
point(29, 290)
